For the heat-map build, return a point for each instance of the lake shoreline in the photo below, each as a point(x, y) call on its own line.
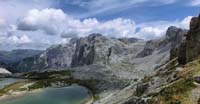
point(18, 94)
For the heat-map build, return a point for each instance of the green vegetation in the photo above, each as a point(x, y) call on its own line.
point(62, 83)
point(46, 79)
point(17, 86)
point(179, 91)
point(47, 74)
point(96, 97)
point(176, 92)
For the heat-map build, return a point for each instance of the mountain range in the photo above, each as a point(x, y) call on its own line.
point(129, 70)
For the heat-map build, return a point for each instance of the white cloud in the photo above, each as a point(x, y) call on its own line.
point(18, 39)
point(185, 23)
point(150, 32)
point(56, 22)
point(194, 3)
point(117, 28)
point(158, 29)
point(49, 20)
point(14, 39)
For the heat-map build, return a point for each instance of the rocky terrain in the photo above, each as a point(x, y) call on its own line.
point(175, 82)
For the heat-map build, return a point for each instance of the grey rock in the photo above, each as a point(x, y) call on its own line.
point(197, 79)
point(58, 56)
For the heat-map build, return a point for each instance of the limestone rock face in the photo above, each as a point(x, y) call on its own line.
point(98, 49)
point(148, 49)
point(58, 56)
point(190, 49)
point(85, 51)
point(193, 40)
point(176, 36)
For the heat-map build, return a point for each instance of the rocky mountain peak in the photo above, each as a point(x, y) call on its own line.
point(173, 38)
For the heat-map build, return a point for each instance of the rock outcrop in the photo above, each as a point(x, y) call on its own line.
point(190, 50)
point(177, 37)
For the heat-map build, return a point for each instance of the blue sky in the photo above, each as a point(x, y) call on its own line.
point(39, 24)
point(139, 10)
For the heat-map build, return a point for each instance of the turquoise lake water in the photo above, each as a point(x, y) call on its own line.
point(67, 95)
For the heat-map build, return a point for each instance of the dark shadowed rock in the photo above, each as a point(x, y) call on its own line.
point(85, 51)
point(190, 50)
point(129, 40)
point(148, 49)
point(141, 88)
point(176, 36)
point(197, 79)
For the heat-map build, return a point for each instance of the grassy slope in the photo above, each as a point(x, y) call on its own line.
point(181, 91)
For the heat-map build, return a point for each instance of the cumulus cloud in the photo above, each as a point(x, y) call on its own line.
point(49, 20)
point(56, 22)
point(19, 39)
point(158, 29)
point(185, 23)
point(14, 39)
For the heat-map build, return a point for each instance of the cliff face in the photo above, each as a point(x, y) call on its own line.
point(193, 40)
point(190, 49)
point(55, 57)
point(178, 38)
point(98, 49)
point(85, 51)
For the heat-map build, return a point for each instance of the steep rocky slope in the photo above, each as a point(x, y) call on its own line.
point(175, 82)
